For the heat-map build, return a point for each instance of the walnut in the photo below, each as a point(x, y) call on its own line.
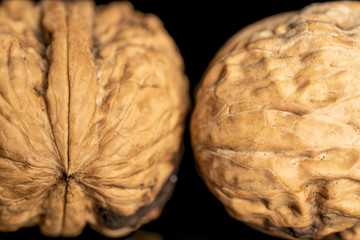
point(92, 108)
point(276, 126)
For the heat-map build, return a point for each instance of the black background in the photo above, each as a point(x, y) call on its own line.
point(199, 28)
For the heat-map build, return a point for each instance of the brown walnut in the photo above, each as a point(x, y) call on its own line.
point(92, 108)
point(276, 126)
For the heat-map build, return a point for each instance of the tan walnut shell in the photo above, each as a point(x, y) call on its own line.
point(276, 125)
point(92, 108)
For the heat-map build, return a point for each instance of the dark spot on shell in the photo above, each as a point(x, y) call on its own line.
point(319, 222)
point(301, 232)
point(38, 92)
point(113, 220)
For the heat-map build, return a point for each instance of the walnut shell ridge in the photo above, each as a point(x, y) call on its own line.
point(276, 125)
point(92, 107)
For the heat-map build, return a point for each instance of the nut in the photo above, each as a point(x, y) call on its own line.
point(276, 126)
point(92, 108)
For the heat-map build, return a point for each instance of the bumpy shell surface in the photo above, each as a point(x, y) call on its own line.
point(276, 126)
point(92, 103)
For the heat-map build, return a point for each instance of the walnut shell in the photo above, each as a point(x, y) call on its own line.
point(92, 108)
point(276, 126)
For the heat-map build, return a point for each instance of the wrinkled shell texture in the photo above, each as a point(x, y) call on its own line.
point(276, 126)
point(92, 105)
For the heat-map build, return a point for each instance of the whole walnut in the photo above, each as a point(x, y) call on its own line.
point(92, 108)
point(276, 126)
